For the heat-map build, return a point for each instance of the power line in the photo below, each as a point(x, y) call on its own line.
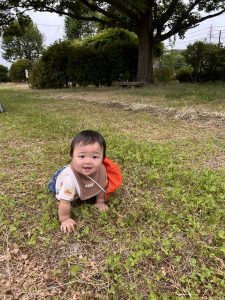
point(212, 36)
point(50, 25)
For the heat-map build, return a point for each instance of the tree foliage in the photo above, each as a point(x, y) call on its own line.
point(22, 40)
point(170, 62)
point(75, 29)
point(152, 21)
point(207, 61)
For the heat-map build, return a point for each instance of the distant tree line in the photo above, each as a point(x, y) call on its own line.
point(152, 21)
point(100, 59)
point(22, 44)
point(205, 62)
point(112, 56)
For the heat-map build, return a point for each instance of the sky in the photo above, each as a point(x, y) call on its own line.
point(52, 27)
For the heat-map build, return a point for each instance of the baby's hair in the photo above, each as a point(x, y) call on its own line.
point(87, 137)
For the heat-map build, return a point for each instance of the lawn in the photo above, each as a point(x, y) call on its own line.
point(164, 235)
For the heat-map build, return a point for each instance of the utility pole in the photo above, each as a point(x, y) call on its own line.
point(219, 38)
point(210, 33)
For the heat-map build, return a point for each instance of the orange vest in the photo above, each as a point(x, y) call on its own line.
point(114, 176)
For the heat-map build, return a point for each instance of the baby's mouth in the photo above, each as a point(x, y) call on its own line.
point(87, 169)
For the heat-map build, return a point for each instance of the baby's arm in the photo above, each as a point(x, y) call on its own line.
point(100, 202)
point(67, 223)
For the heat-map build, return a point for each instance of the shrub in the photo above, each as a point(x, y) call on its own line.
point(84, 66)
point(185, 74)
point(38, 77)
point(103, 65)
point(109, 36)
point(4, 74)
point(88, 63)
point(164, 74)
point(17, 70)
point(117, 52)
point(120, 61)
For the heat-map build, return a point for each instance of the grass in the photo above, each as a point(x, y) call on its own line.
point(163, 237)
point(181, 96)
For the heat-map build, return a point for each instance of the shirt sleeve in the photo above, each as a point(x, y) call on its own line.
point(67, 190)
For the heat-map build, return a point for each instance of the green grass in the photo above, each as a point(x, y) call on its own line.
point(164, 235)
point(207, 97)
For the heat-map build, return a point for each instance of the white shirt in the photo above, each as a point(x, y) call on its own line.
point(67, 187)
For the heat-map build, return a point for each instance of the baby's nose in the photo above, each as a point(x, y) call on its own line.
point(87, 159)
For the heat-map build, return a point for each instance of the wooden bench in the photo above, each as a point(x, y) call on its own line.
point(129, 84)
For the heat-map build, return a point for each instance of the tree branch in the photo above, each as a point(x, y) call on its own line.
point(166, 16)
point(182, 26)
point(125, 8)
point(113, 19)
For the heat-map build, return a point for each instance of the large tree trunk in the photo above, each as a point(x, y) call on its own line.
point(145, 55)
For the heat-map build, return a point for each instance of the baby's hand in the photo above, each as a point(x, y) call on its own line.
point(102, 206)
point(68, 225)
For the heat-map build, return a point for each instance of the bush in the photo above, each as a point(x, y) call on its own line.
point(120, 61)
point(88, 63)
point(109, 36)
point(169, 63)
point(164, 74)
point(4, 74)
point(117, 52)
point(185, 74)
point(84, 66)
point(17, 70)
point(38, 75)
point(52, 70)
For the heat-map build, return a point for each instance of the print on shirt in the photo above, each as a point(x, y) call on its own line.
point(68, 192)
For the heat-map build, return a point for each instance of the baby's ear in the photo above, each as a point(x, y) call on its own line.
point(71, 153)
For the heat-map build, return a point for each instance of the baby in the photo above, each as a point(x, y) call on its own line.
point(84, 178)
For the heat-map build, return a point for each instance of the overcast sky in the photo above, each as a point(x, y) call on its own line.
point(52, 26)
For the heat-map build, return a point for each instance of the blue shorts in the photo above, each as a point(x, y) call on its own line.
point(52, 183)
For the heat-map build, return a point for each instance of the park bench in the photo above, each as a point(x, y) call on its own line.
point(129, 84)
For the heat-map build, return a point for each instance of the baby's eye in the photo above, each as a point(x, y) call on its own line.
point(95, 157)
point(81, 156)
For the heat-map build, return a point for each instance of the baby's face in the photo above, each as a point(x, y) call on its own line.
point(87, 159)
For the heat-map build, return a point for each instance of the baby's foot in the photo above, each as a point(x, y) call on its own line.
point(102, 206)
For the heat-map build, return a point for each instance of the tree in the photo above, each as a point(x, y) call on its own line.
point(207, 61)
point(75, 29)
point(152, 20)
point(22, 40)
point(170, 62)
